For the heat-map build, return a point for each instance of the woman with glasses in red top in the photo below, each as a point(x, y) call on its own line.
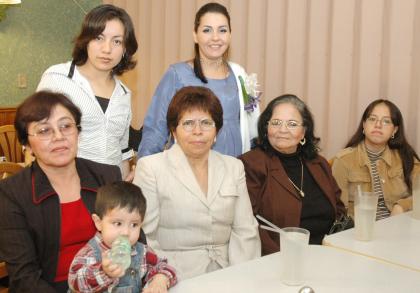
point(45, 210)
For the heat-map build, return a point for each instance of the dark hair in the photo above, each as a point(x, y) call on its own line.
point(310, 149)
point(399, 142)
point(194, 97)
point(38, 107)
point(211, 7)
point(94, 24)
point(120, 194)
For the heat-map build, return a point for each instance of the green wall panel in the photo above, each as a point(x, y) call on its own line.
point(35, 35)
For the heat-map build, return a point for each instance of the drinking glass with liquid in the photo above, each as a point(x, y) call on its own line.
point(293, 245)
point(365, 205)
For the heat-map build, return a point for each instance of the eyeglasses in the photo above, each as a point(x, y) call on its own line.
point(46, 131)
point(384, 121)
point(290, 124)
point(205, 124)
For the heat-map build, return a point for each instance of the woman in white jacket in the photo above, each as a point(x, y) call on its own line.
point(198, 213)
point(209, 68)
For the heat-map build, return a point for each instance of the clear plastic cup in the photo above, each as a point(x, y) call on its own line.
point(365, 205)
point(292, 249)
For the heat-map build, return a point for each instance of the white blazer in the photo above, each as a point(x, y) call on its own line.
point(197, 233)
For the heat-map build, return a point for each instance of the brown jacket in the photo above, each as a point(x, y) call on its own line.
point(273, 196)
point(352, 165)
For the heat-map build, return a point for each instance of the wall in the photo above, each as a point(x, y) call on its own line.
point(35, 35)
point(337, 55)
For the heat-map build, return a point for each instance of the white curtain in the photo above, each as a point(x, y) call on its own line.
point(336, 55)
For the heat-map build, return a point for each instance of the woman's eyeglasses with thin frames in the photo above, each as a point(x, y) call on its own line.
point(290, 124)
point(205, 124)
point(46, 132)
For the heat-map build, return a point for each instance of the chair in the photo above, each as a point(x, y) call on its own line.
point(134, 137)
point(7, 169)
point(3, 274)
point(10, 145)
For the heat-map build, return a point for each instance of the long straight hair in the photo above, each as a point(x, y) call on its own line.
point(399, 142)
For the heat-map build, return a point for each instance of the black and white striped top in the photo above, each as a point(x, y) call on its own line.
point(382, 210)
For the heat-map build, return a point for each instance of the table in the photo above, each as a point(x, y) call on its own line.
point(328, 269)
point(396, 240)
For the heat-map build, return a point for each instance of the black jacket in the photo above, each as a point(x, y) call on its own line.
point(30, 222)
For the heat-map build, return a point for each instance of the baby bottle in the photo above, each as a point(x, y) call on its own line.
point(120, 253)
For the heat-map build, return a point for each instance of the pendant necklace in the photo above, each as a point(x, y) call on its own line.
point(300, 190)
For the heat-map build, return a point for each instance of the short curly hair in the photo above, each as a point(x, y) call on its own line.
point(190, 98)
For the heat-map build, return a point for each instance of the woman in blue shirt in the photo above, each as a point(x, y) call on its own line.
point(209, 68)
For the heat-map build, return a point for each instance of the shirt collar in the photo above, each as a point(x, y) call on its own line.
point(364, 159)
point(41, 186)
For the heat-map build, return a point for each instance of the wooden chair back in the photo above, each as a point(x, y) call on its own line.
point(7, 169)
point(10, 145)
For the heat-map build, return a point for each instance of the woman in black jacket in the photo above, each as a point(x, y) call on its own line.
point(45, 209)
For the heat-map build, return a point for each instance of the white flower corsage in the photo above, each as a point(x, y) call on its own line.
point(250, 91)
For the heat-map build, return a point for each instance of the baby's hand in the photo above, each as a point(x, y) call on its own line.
point(159, 284)
point(112, 270)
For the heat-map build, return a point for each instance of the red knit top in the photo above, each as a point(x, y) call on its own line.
point(77, 228)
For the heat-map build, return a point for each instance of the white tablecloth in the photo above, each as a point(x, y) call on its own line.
point(396, 240)
point(327, 270)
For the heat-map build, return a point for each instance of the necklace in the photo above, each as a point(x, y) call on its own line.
point(300, 190)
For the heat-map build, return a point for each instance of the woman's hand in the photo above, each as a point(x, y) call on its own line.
point(396, 210)
point(127, 171)
point(112, 270)
point(158, 284)
point(130, 176)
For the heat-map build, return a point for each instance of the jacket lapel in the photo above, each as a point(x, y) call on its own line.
point(216, 173)
point(41, 186)
point(279, 175)
point(182, 171)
